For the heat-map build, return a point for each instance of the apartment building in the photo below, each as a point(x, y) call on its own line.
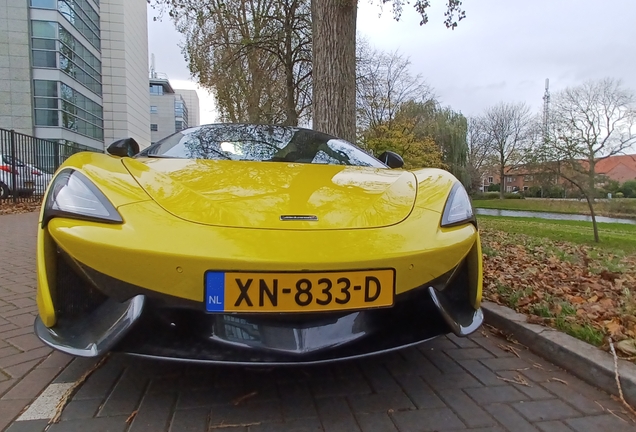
point(75, 71)
point(191, 100)
point(169, 112)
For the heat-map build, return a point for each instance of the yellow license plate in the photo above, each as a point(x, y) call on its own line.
point(298, 291)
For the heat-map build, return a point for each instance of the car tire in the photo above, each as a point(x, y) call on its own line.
point(4, 191)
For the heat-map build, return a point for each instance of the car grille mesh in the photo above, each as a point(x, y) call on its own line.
point(74, 295)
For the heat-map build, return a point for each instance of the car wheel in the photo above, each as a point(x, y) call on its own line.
point(4, 191)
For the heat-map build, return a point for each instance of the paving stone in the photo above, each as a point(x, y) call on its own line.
point(501, 364)
point(466, 408)
point(420, 393)
point(441, 343)
point(427, 420)
point(193, 420)
point(489, 395)
point(442, 361)
point(31, 385)
point(28, 426)
point(462, 342)
point(379, 377)
point(297, 401)
point(481, 372)
point(247, 412)
point(81, 409)
point(553, 426)
point(468, 354)
point(454, 380)
point(606, 422)
point(304, 425)
point(26, 342)
point(375, 422)
point(15, 359)
point(125, 396)
point(545, 410)
point(340, 387)
point(574, 398)
point(509, 418)
point(9, 409)
point(99, 383)
point(154, 413)
point(103, 424)
point(336, 416)
point(382, 402)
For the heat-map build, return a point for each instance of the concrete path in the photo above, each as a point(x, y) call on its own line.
point(483, 383)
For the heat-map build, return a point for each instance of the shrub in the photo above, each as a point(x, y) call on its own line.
point(619, 195)
point(513, 196)
point(494, 187)
point(486, 195)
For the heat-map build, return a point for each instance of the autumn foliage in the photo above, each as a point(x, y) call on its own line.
point(586, 292)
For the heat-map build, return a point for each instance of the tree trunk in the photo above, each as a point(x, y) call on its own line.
point(591, 206)
point(334, 68)
point(501, 180)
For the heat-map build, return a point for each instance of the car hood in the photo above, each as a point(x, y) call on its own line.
point(251, 194)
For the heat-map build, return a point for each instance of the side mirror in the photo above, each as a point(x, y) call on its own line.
point(124, 147)
point(392, 159)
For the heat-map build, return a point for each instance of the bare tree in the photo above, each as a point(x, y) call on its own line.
point(383, 84)
point(589, 123)
point(480, 149)
point(255, 55)
point(506, 127)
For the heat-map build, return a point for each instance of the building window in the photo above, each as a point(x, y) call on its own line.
point(43, 4)
point(153, 109)
point(525, 188)
point(178, 125)
point(78, 62)
point(45, 98)
point(153, 127)
point(80, 114)
point(510, 179)
point(74, 59)
point(490, 180)
point(83, 17)
point(528, 178)
point(156, 89)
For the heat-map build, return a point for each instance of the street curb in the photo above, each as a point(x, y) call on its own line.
point(581, 359)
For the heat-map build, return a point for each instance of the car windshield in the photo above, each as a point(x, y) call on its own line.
point(260, 143)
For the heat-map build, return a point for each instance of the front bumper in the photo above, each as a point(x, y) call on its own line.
point(153, 325)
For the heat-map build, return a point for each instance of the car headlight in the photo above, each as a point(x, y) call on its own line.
point(458, 208)
point(73, 195)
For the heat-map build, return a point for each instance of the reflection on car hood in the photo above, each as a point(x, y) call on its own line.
point(256, 194)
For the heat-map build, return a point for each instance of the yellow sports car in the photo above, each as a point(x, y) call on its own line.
point(253, 244)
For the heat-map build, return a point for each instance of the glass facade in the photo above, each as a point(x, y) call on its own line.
point(156, 89)
point(83, 17)
point(79, 62)
point(57, 104)
point(80, 114)
point(46, 102)
point(48, 38)
point(79, 13)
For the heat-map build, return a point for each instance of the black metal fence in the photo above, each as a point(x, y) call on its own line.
point(27, 164)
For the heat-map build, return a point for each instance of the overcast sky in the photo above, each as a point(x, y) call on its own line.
point(503, 51)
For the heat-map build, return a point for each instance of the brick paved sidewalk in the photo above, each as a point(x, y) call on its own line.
point(26, 365)
point(449, 384)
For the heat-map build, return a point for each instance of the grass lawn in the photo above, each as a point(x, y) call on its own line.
point(556, 274)
point(617, 237)
point(620, 207)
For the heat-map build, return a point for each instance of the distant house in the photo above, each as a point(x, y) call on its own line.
point(620, 168)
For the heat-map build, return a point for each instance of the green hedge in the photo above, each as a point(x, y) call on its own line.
point(495, 195)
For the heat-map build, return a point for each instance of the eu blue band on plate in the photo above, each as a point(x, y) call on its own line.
point(215, 291)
